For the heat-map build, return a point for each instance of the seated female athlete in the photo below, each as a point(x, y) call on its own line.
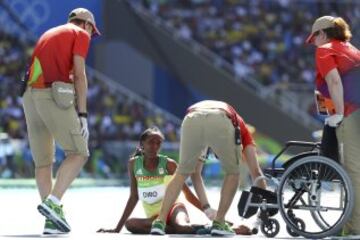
point(148, 172)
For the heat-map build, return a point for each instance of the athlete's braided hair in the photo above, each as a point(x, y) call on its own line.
point(144, 135)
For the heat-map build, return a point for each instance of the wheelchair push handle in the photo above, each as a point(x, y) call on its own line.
point(313, 145)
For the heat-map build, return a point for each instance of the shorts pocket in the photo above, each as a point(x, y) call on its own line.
point(80, 143)
point(63, 94)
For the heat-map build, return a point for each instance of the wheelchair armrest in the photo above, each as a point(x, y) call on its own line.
point(302, 144)
point(275, 172)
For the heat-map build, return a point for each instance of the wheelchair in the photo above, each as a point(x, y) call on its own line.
point(313, 193)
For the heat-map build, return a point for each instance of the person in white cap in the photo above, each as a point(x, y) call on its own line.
point(338, 80)
point(55, 110)
point(217, 125)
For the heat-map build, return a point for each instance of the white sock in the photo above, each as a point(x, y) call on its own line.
point(54, 199)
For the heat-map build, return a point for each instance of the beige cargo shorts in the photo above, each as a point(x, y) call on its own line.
point(47, 124)
point(208, 128)
point(348, 135)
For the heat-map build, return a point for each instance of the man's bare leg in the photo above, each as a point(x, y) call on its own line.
point(171, 194)
point(43, 177)
point(66, 174)
point(228, 191)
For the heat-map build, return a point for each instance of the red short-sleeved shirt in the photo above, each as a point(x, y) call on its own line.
point(52, 59)
point(340, 55)
point(246, 137)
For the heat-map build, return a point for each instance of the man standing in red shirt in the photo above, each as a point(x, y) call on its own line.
point(338, 79)
point(217, 125)
point(56, 78)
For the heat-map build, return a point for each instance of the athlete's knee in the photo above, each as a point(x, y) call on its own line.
point(137, 227)
point(128, 225)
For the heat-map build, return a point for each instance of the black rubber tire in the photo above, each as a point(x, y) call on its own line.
point(301, 225)
point(271, 229)
point(349, 204)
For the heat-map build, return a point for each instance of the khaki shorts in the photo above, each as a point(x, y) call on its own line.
point(208, 128)
point(47, 123)
point(348, 134)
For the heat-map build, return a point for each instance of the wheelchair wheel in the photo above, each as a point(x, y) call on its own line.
point(270, 228)
point(318, 190)
point(299, 223)
point(319, 219)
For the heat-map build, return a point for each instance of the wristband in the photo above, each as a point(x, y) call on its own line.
point(83, 114)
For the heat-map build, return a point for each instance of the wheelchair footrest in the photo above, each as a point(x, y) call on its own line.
point(256, 196)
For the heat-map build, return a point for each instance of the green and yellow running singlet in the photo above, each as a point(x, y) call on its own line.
point(151, 185)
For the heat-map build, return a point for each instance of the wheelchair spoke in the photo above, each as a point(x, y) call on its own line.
point(316, 191)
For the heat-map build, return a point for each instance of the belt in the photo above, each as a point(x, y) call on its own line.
point(219, 110)
point(46, 85)
point(207, 110)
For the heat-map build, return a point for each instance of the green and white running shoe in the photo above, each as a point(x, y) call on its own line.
point(201, 229)
point(157, 227)
point(221, 229)
point(50, 228)
point(55, 214)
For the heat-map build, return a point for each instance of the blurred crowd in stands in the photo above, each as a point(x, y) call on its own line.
point(13, 56)
point(264, 40)
point(112, 117)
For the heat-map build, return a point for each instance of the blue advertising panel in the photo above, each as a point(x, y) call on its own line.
point(40, 15)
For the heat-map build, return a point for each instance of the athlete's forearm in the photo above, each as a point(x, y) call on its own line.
point(189, 195)
point(130, 205)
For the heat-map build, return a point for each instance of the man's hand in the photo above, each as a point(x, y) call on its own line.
point(84, 128)
point(210, 213)
point(334, 120)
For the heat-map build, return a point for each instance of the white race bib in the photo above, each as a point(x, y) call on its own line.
point(151, 195)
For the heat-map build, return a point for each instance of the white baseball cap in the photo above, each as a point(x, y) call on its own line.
point(86, 15)
point(319, 24)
